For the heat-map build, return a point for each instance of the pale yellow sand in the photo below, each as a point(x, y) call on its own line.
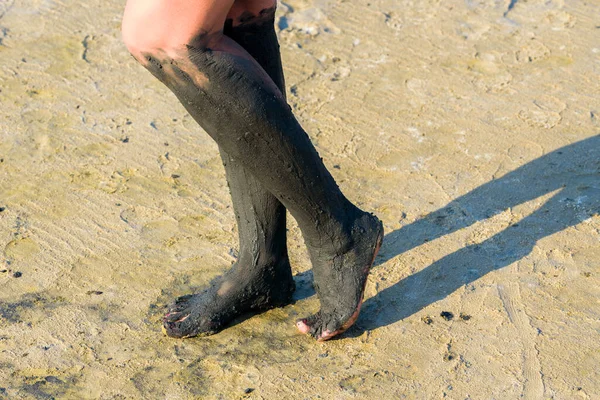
point(115, 201)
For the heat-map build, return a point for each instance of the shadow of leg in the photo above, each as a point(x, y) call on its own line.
point(567, 208)
point(569, 166)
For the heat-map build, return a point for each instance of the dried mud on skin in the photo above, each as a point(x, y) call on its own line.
point(470, 128)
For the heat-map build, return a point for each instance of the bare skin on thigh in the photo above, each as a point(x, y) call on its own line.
point(233, 89)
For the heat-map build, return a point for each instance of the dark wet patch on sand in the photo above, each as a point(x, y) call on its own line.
point(45, 386)
point(13, 312)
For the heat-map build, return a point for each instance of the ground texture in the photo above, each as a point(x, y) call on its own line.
point(471, 128)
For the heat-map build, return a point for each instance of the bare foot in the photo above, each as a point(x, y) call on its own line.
point(340, 278)
point(239, 291)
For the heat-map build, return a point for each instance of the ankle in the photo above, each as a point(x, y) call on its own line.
point(263, 258)
point(332, 232)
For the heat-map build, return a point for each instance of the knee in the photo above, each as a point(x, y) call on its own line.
point(141, 38)
point(156, 26)
point(155, 44)
point(151, 28)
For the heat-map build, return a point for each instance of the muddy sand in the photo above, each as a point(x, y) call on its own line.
point(471, 128)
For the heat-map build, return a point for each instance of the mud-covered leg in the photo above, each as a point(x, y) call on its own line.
point(261, 278)
point(227, 92)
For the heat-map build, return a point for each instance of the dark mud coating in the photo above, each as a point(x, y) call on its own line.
point(271, 165)
point(262, 277)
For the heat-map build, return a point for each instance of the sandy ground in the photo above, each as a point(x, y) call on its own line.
point(470, 127)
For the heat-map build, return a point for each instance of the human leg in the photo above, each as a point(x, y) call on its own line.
point(261, 278)
point(260, 216)
point(231, 96)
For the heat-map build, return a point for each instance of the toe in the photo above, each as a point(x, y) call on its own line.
point(309, 324)
point(172, 318)
point(182, 303)
point(303, 326)
point(173, 323)
point(312, 325)
point(178, 322)
point(180, 326)
point(323, 328)
point(171, 328)
point(176, 317)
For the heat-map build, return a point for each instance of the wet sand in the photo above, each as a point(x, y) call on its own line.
point(470, 128)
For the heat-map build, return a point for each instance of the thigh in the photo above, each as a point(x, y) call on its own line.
point(170, 23)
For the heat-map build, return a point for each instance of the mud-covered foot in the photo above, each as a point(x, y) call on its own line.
point(239, 291)
point(340, 276)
